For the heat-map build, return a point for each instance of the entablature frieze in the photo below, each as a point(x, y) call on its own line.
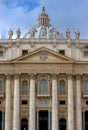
point(44, 68)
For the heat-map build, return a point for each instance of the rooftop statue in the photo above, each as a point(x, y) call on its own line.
point(77, 34)
point(68, 34)
point(32, 32)
point(10, 33)
point(18, 32)
point(44, 32)
point(54, 33)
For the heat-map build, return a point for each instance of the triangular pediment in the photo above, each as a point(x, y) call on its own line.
point(43, 55)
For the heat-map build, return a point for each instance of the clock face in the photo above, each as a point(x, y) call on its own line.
point(43, 86)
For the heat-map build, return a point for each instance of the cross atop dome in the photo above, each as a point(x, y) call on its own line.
point(43, 8)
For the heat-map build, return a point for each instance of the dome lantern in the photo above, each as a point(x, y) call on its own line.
point(43, 18)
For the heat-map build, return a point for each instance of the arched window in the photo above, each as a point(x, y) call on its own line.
point(0, 86)
point(62, 87)
point(25, 87)
point(43, 86)
point(86, 86)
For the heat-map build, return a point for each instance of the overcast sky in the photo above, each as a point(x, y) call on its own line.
point(63, 14)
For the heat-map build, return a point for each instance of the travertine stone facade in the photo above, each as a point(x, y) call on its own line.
point(43, 79)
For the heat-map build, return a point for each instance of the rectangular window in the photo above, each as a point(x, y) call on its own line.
point(24, 52)
point(62, 102)
point(62, 52)
point(24, 102)
point(86, 102)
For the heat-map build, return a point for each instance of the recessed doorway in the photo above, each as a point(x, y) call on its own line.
point(43, 120)
point(86, 120)
point(24, 124)
point(62, 124)
point(0, 120)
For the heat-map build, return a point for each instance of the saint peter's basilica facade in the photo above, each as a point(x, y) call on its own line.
point(43, 79)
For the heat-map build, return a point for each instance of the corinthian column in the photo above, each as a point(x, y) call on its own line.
point(8, 103)
point(32, 103)
point(54, 103)
point(70, 104)
point(78, 103)
point(16, 121)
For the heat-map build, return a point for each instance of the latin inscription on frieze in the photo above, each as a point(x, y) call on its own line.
point(44, 68)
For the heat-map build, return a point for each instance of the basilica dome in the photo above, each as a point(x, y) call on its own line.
point(43, 29)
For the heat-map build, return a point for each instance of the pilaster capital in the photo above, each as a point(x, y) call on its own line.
point(54, 76)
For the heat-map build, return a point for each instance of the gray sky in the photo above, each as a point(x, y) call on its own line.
point(63, 14)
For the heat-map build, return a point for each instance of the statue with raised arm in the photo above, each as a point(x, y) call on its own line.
point(77, 34)
point(10, 33)
point(18, 32)
point(68, 34)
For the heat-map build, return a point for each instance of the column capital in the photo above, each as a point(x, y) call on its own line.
point(78, 76)
point(70, 76)
point(8, 76)
point(16, 76)
point(54, 76)
point(32, 76)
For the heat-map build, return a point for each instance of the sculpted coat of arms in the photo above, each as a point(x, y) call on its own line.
point(43, 55)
